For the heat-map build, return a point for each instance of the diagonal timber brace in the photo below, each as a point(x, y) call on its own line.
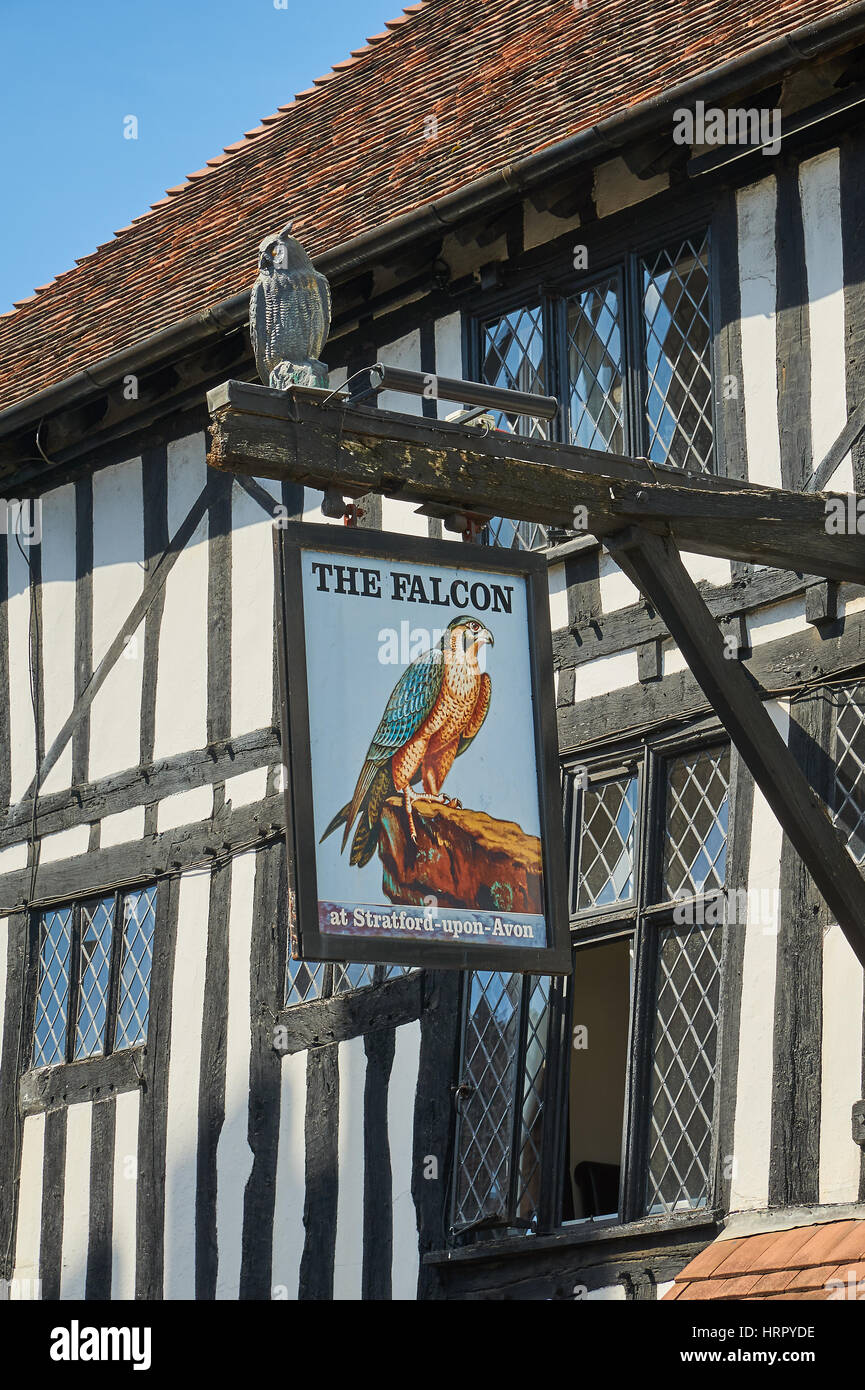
point(655, 566)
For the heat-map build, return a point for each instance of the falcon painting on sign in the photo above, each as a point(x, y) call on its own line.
point(421, 749)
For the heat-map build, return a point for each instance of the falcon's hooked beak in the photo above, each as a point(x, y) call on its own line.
point(485, 636)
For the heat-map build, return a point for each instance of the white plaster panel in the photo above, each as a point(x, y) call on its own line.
point(449, 346)
point(672, 659)
point(28, 1238)
point(348, 1259)
point(124, 1222)
point(181, 1125)
point(181, 680)
point(118, 579)
point(76, 1201)
point(840, 1157)
point(404, 353)
point(605, 674)
point(757, 287)
point(251, 612)
point(617, 591)
point(288, 1229)
point(234, 1157)
point(820, 191)
point(401, 1095)
point(710, 568)
point(4, 950)
point(779, 620)
point(753, 1123)
point(12, 858)
point(247, 788)
point(66, 844)
point(558, 585)
point(617, 188)
point(58, 624)
point(22, 729)
point(185, 808)
point(122, 827)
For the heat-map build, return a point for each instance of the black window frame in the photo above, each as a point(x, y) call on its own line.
point(640, 917)
point(616, 245)
point(38, 929)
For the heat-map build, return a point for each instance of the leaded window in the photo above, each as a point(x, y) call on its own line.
point(628, 352)
point(308, 980)
point(596, 367)
point(500, 1100)
point(849, 799)
point(677, 355)
point(93, 984)
point(634, 1073)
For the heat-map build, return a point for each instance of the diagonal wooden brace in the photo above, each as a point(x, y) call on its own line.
point(655, 566)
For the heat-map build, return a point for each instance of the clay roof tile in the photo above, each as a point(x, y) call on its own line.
point(345, 156)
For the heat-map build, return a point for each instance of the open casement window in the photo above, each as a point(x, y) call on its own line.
point(307, 980)
point(93, 984)
point(849, 760)
point(627, 352)
point(596, 1097)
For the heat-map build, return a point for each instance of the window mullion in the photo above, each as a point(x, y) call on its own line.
point(112, 1001)
point(635, 1155)
point(74, 982)
point(517, 1112)
point(635, 434)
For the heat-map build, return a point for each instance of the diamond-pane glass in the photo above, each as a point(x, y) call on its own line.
point(486, 1106)
point(512, 356)
point(607, 842)
point(684, 1057)
point(678, 404)
point(52, 997)
point(695, 857)
point(595, 368)
point(850, 769)
point(304, 980)
point(97, 923)
point(139, 921)
point(355, 975)
point(532, 1112)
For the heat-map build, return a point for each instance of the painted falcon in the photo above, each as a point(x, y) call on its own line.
point(435, 710)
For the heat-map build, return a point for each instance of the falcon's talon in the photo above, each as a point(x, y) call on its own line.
point(408, 800)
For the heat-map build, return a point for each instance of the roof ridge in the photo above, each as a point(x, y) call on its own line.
point(392, 27)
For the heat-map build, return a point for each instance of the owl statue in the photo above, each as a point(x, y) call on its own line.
point(289, 315)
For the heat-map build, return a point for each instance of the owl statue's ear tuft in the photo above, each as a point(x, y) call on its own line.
point(286, 231)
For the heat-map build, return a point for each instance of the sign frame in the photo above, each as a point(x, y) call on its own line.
point(308, 942)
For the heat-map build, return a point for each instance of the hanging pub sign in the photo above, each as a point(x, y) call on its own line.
point(419, 729)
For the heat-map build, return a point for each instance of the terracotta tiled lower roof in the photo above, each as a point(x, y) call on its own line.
point(807, 1262)
point(503, 78)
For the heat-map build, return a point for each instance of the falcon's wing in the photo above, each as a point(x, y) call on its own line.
point(411, 700)
point(258, 329)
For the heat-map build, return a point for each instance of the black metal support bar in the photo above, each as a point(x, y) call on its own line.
point(466, 392)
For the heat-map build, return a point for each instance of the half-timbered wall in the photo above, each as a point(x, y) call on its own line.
point(213, 1165)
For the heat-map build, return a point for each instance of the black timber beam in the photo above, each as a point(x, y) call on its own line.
point(315, 438)
point(656, 567)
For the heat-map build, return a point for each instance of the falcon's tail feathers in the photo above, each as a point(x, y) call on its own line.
point(363, 846)
point(337, 821)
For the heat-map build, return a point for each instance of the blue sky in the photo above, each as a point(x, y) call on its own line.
point(196, 73)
